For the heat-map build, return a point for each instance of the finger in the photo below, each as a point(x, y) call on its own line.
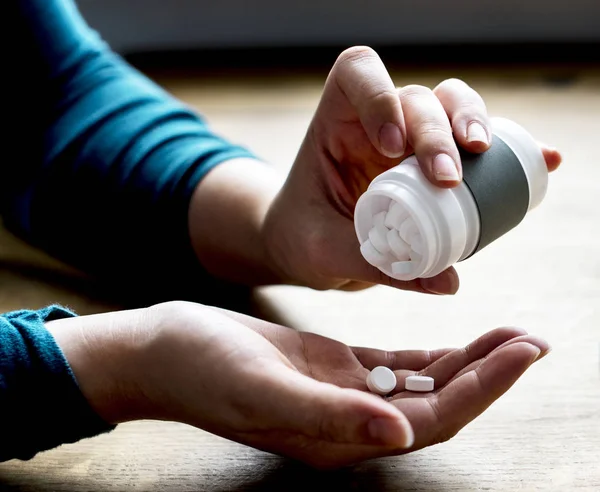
point(540, 343)
point(441, 416)
point(361, 75)
point(471, 394)
point(430, 134)
point(445, 368)
point(413, 360)
point(467, 113)
point(355, 286)
point(445, 283)
point(552, 157)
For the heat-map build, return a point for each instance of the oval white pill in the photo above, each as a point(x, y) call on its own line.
point(381, 380)
point(407, 229)
point(378, 237)
point(372, 256)
point(400, 249)
point(379, 219)
point(422, 384)
point(395, 216)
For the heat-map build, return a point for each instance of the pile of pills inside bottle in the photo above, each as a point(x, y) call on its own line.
point(409, 228)
point(394, 233)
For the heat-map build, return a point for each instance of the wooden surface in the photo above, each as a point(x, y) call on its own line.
point(544, 276)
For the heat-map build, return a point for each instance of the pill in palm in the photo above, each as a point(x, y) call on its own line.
point(421, 384)
point(381, 380)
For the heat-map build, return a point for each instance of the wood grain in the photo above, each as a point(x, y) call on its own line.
point(543, 435)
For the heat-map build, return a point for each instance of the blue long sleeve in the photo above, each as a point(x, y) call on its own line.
point(101, 161)
point(98, 168)
point(41, 405)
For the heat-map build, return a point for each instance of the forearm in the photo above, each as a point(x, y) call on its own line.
point(106, 354)
point(108, 161)
point(226, 219)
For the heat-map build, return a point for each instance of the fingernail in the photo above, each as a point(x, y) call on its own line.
point(537, 355)
point(391, 141)
point(543, 354)
point(476, 133)
point(391, 432)
point(446, 283)
point(444, 168)
point(544, 347)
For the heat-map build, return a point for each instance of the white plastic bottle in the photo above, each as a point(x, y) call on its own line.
point(409, 228)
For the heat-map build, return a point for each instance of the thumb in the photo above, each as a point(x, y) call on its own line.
point(362, 77)
point(325, 412)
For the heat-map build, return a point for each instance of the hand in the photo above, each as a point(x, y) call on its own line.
point(363, 126)
point(296, 394)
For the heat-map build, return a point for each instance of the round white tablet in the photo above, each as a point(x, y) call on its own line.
point(419, 383)
point(381, 380)
point(402, 267)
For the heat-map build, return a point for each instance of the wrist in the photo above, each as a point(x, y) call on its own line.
point(227, 220)
point(106, 353)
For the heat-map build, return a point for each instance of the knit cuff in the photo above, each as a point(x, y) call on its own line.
point(41, 405)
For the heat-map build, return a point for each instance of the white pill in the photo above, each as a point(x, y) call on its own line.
point(402, 267)
point(381, 380)
point(372, 256)
point(400, 249)
point(379, 219)
point(395, 216)
point(378, 237)
point(422, 384)
point(408, 229)
point(414, 256)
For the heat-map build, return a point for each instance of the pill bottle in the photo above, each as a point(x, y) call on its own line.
point(409, 228)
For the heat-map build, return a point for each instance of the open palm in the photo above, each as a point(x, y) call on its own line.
point(337, 428)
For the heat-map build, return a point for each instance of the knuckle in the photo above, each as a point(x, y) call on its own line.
point(452, 84)
point(174, 313)
point(415, 90)
point(172, 308)
point(434, 131)
point(380, 96)
point(471, 111)
point(464, 96)
point(356, 54)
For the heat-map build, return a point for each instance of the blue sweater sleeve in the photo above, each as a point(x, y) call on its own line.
point(101, 161)
point(41, 405)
